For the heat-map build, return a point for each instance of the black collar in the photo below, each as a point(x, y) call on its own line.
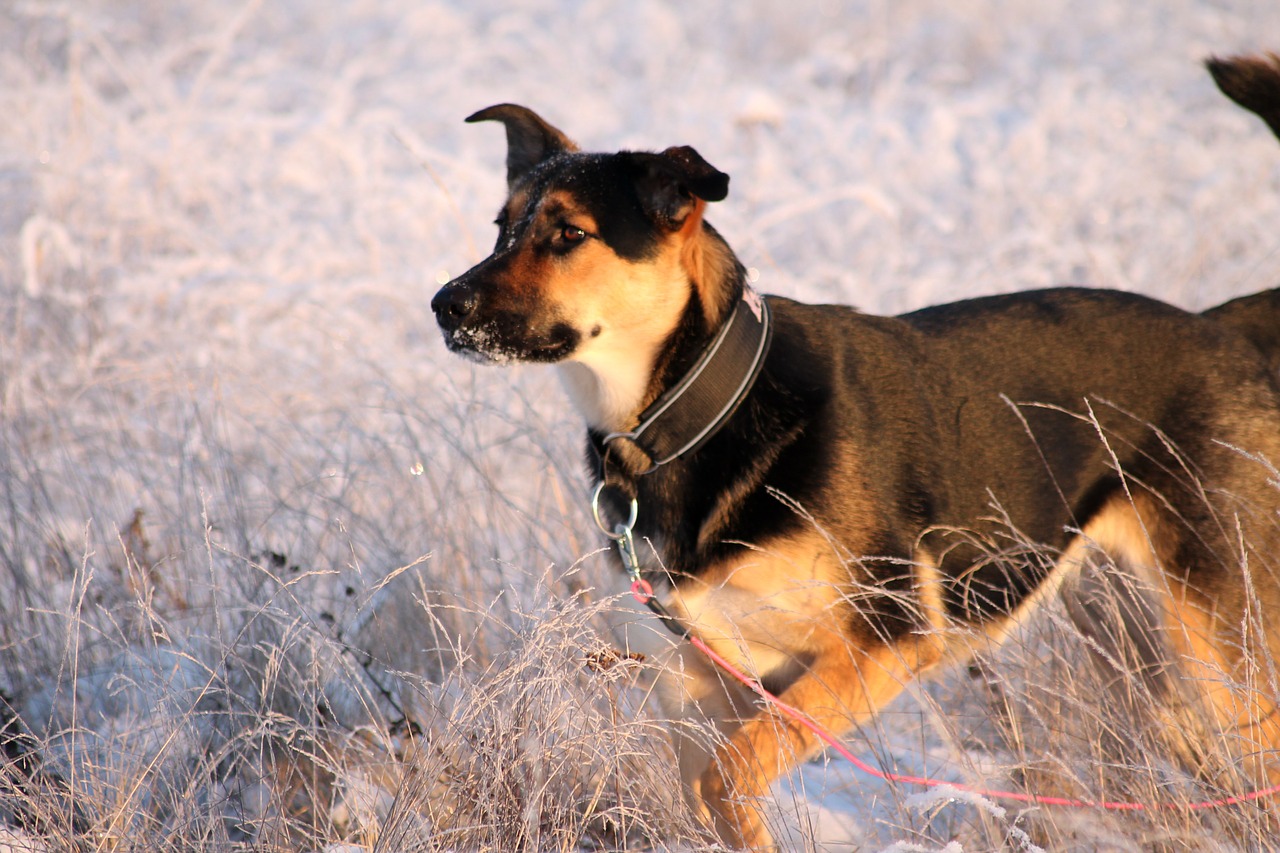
point(695, 408)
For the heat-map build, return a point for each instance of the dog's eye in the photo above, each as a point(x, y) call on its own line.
point(571, 235)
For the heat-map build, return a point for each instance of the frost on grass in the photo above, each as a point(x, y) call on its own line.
point(943, 796)
point(546, 748)
point(215, 223)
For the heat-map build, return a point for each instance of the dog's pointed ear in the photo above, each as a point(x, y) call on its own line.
point(530, 140)
point(671, 183)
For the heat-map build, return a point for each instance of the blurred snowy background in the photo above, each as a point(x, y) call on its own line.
point(233, 446)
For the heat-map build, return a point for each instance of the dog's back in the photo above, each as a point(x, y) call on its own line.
point(1257, 317)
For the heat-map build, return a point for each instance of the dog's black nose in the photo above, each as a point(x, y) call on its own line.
point(453, 304)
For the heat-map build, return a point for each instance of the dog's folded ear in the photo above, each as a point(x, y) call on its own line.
point(530, 140)
point(668, 183)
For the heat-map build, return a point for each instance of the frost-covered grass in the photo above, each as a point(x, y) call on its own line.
point(220, 226)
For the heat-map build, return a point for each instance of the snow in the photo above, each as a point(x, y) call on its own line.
point(221, 226)
point(16, 842)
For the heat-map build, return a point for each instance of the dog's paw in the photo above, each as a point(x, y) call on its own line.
point(733, 812)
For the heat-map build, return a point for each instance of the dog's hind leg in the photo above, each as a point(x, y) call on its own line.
point(1221, 624)
point(1193, 639)
point(1116, 614)
point(1116, 607)
point(1114, 597)
point(1231, 682)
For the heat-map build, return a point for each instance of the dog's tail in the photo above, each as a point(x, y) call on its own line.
point(1253, 82)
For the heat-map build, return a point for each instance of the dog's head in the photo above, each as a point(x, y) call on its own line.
point(597, 257)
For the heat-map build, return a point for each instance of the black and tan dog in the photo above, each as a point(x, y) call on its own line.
point(839, 502)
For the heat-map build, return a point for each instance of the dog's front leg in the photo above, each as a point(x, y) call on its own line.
point(841, 688)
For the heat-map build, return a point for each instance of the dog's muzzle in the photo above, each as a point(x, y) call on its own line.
point(493, 330)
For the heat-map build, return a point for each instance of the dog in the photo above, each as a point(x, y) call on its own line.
point(840, 503)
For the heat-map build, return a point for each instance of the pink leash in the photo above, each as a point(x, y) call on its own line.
point(643, 593)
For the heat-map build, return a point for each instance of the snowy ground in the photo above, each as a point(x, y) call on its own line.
point(221, 226)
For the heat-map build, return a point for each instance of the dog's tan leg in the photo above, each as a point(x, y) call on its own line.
point(1233, 678)
point(1218, 687)
point(693, 693)
point(841, 688)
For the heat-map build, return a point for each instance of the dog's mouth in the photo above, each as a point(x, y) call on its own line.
point(506, 341)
